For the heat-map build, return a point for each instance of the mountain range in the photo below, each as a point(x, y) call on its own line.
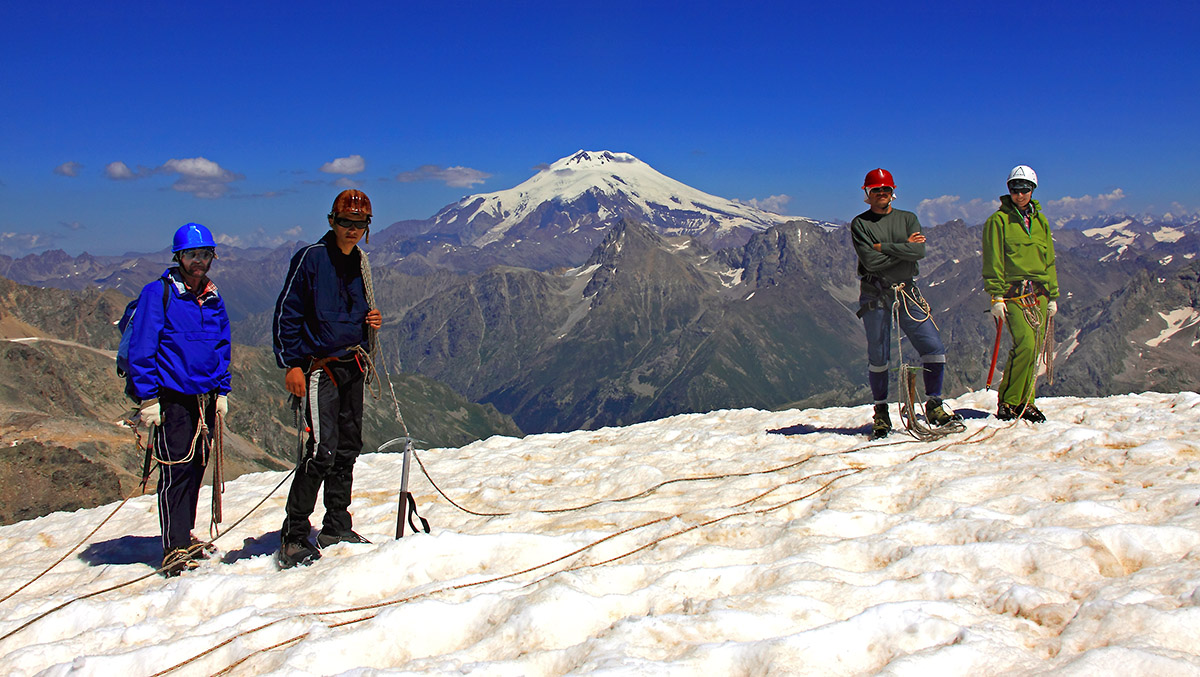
point(600, 292)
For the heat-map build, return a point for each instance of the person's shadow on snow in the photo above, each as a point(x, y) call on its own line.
point(124, 550)
point(806, 429)
point(148, 550)
point(266, 544)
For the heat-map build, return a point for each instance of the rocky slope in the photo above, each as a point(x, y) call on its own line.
point(62, 405)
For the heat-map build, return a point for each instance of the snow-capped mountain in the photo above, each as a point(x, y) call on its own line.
point(1164, 238)
point(559, 215)
point(605, 185)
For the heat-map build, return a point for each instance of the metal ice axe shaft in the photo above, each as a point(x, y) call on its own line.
point(405, 497)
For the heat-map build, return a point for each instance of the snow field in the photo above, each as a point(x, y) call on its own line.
point(1072, 547)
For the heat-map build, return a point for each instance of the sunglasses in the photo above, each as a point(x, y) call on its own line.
point(881, 190)
point(351, 225)
point(201, 254)
point(1020, 188)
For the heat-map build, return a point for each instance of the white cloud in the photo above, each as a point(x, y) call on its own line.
point(199, 176)
point(119, 171)
point(69, 169)
point(354, 164)
point(949, 207)
point(71, 225)
point(457, 177)
point(346, 182)
point(776, 204)
point(259, 238)
point(20, 244)
point(1086, 205)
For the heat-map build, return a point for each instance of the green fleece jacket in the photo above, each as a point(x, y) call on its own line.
point(1011, 255)
point(897, 259)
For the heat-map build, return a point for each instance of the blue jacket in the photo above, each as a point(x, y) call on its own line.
point(187, 348)
point(322, 309)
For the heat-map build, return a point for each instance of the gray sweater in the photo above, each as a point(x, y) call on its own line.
point(897, 260)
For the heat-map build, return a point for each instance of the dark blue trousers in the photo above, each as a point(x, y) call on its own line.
point(917, 325)
point(181, 465)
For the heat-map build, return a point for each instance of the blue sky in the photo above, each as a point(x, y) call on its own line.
point(123, 121)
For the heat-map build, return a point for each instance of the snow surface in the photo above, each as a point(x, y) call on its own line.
point(609, 173)
point(1069, 548)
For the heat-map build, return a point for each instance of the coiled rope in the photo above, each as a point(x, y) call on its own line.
point(906, 382)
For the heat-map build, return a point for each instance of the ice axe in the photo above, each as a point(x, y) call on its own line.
point(995, 353)
point(408, 504)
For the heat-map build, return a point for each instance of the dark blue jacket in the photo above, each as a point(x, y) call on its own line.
point(187, 348)
point(322, 309)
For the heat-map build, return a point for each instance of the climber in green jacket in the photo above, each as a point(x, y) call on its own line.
point(1020, 277)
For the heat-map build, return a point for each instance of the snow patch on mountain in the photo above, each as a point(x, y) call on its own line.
point(1168, 234)
point(619, 176)
point(1176, 320)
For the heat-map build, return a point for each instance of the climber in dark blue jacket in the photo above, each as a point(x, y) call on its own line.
point(322, 338)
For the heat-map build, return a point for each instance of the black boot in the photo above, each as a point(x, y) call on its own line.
point(881, 424)
point(1033, 414)
point(296, 553)
point(324, 539)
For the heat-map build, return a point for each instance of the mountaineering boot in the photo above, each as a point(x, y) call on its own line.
point(936, 413)
point(1033, 414)
point(177, 561)
point(324, 539)
point(881, 425)
point(200, 550)
point(1006, 412)
point(296, 553)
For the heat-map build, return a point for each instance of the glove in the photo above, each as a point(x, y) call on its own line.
point(151, 413)
point(222, 405)
point(1051, 308)
point(998, 309)
point(319, 463)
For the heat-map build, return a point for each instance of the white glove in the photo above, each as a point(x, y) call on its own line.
point(222, 405)
point(998, 308)
point(151, 413)
point(1051, 308)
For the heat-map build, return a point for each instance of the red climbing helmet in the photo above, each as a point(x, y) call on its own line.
point(879, 177)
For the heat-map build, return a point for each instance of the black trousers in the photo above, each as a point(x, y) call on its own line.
point(334, 417)
point(181, 463)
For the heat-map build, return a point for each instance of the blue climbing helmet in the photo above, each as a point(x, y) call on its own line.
point(192, 236)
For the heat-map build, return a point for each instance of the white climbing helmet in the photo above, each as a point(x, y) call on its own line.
point(1023, 173)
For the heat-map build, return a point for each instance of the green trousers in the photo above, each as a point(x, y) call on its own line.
point(1017, 386)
